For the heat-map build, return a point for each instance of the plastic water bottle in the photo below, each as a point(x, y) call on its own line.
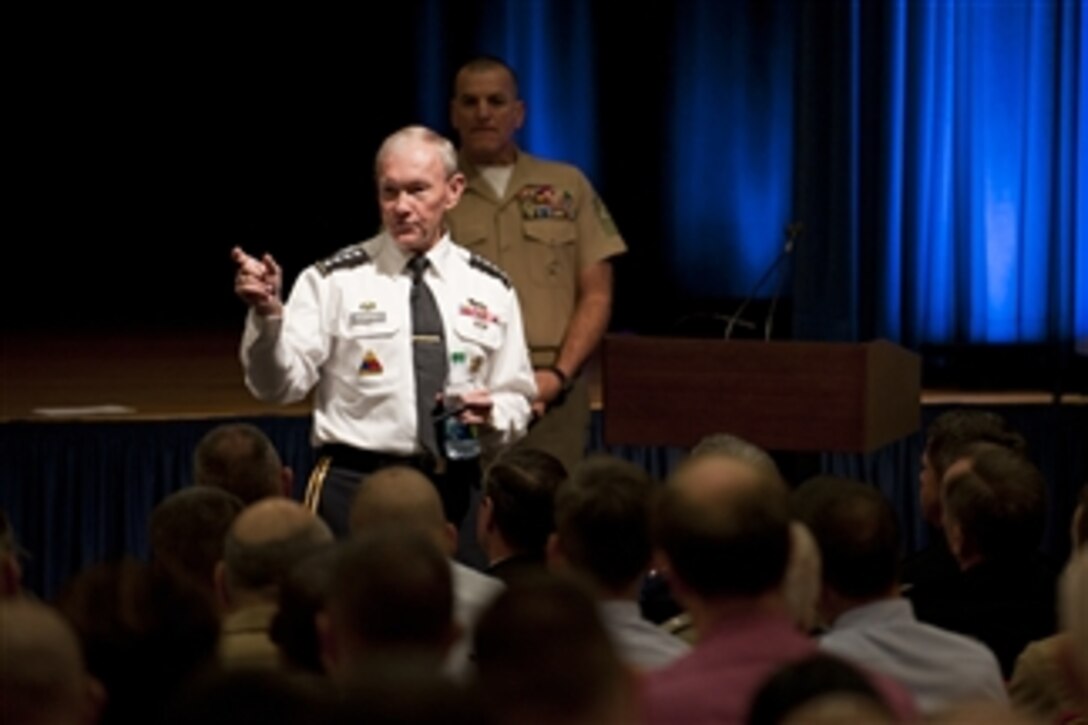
point(461, 440)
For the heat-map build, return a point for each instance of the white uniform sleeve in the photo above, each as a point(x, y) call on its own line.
point(282, 356)
point(512, 383)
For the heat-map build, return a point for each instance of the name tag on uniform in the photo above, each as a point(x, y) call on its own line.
point(366, 316)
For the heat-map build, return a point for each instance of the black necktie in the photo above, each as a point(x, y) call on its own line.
point(428, 353)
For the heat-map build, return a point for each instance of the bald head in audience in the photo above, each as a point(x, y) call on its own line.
point(723, 526)
point(43, 680)
point(726, 445)
point(264, 542)
point(402, 496)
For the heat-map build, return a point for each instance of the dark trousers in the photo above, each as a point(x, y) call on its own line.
point(347, 469)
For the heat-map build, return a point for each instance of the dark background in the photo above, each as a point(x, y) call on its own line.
point(149, 143)
point(146, 142)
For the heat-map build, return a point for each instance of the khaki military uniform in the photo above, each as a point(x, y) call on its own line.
point(548, 226)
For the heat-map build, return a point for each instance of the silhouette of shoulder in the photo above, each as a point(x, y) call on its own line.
point(487, 267)
point(347, 258)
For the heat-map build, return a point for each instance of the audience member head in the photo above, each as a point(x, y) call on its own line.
point(858, 535)
point(602, 516)
point(404, 497)
point(143, 634)
point(43, 680)
point(737, 448)
point(818, 685)
point(947, 437)
point(187, 531)
point(265, 541)
point(993, 500)
point(723, 528)
point(11, 571)
point(391, 595)
point(302, 597)
point(801, 582)
point(239, 458)
point(544, 656)
point(516, 505)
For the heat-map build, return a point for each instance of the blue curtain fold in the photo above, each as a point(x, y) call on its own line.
point(960, 128)
point(934, 151)
point(81, 493)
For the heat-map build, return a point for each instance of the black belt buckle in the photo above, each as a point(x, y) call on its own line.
point(345, 456)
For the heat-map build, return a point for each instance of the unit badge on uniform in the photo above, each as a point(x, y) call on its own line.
point(475, 365)
point(544, 201)
point(371, 365)
point(607, 223)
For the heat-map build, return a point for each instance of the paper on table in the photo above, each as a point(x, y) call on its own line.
point(84, 410)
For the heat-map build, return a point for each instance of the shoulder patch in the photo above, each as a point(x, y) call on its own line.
point(607, 223)
point(346, 258)
point(488, 267)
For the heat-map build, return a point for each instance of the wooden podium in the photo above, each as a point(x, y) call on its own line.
point(783, 396)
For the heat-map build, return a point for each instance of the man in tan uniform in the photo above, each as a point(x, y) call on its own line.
point(544, 225)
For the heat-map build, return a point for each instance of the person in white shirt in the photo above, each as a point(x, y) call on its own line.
point(401, 497)
point(347, 333)
point(871, 624)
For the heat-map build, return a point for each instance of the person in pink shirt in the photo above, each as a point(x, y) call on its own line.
point(723, 537)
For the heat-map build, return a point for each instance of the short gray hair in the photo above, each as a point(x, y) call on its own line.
point(446, 151)
point(726, 445)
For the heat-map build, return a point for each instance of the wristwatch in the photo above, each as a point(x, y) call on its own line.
point(565, 382)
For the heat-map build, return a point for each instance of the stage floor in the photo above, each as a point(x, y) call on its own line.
point(196, 374)
point(127, 376)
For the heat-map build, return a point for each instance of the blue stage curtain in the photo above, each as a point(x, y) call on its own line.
point(935, 151)
point(1055, 436)
point(730, 127)
point(79, 493)
point(943, 166)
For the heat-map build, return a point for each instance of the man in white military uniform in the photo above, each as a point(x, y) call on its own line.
point(351, 327)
